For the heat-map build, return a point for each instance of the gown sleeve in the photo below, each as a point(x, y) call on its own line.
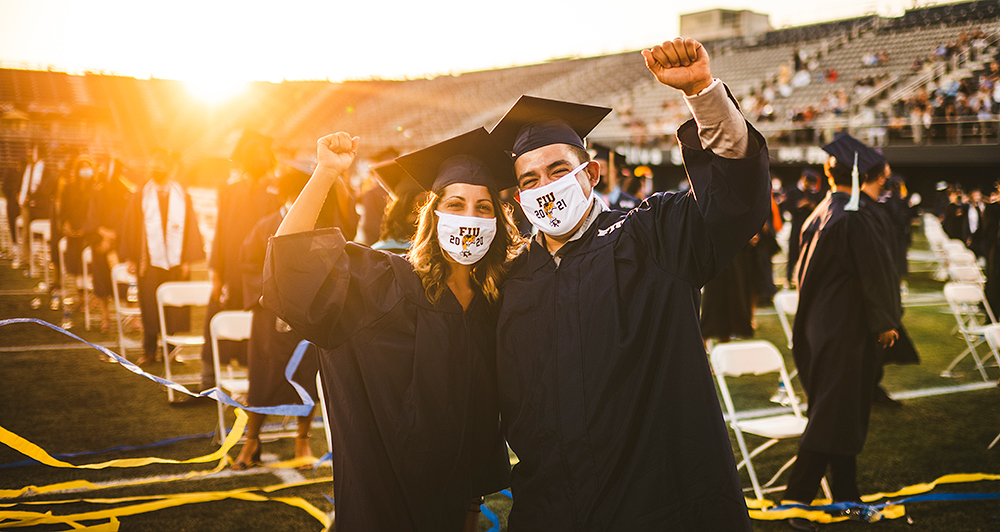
point(874, 268)
point(696, 234)
point(326, 288)
point(252, 261)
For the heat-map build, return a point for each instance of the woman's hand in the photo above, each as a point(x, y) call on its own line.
point(335, 153)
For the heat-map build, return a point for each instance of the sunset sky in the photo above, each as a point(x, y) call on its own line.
point(220, 42)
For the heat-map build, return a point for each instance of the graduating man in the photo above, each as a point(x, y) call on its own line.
point(848, 313)
point(160, 239)
point(606, 394)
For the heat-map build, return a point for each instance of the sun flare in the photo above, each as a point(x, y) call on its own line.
point(214, 90)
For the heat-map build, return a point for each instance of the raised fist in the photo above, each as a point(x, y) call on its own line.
point(681, 64)
point(336, 152)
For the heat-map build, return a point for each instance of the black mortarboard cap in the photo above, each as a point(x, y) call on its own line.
point(471, 158)
point(532, 123)
point(393, 178)
point(248, 139)
point(845, 146)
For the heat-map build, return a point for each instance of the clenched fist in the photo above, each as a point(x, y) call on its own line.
point(681, 64)
point(336, 152)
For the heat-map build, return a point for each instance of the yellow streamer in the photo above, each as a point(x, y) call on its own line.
point(23, 519)
point(759, 508)
point(35, 452)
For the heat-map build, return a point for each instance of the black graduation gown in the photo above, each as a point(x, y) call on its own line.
point(606, 394)
point(845, 299)
point(410, 386)
point(272, 342)
point(902, 350)
point(132, 246)
point(107, 210)
point(727, 302)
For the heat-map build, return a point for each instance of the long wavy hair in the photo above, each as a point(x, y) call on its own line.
point(432, 267)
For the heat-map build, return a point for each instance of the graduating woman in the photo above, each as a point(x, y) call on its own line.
point(407, 343)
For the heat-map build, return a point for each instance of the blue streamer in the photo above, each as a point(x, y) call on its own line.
point(507, 493)
point(212, 393)
point(841, 507)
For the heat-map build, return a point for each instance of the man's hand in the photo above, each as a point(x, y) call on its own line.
point(887, 338)
point(335, 153)
point(681, 64)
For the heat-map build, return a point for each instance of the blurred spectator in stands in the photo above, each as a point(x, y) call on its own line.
point(975, 211)
point(799, 203)
point(104, 221)
point(159, 241)
point(39, 184)
point(831, 75)
point(373, 201)
point(74, 203)
point(608, 189)
point(873, 120)
point(243, 201)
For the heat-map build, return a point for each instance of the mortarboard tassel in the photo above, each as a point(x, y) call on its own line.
point(855, 199)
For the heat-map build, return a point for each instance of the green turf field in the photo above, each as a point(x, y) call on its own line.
point(67, 400)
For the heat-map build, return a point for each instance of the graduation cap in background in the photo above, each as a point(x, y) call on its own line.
point(471, 158)
point(293, 176)
point(387, 154)
point(249, 139)
point(394, 178)
point(848, 150)
point(532, 123)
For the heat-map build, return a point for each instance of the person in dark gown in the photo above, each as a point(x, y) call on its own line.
point(272, 341)
point(848, 313)
point(73, 206)
point(104, 223)
point(243, 201)
point(407, 344)
point(607, 397)
point(799, 202)
point(160, 240)
point(400, 221)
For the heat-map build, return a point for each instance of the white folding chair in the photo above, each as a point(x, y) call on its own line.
point(757, 357)
point(88, 284)
point(123, 311)
point(964, 300)
point(962, 257)
point(63, 277)
point(180, 294)
point(232, 325)
point(40, 248)
point(786, 302)
point(21, 232)
point(967, 274)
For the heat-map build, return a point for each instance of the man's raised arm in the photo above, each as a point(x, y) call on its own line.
point(684, 65)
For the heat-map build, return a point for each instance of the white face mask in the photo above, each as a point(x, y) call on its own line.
point(86, 173)
point(556, 208)
point(466, 239)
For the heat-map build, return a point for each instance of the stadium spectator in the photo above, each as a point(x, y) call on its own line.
point(608, 188)
point(160, 240)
